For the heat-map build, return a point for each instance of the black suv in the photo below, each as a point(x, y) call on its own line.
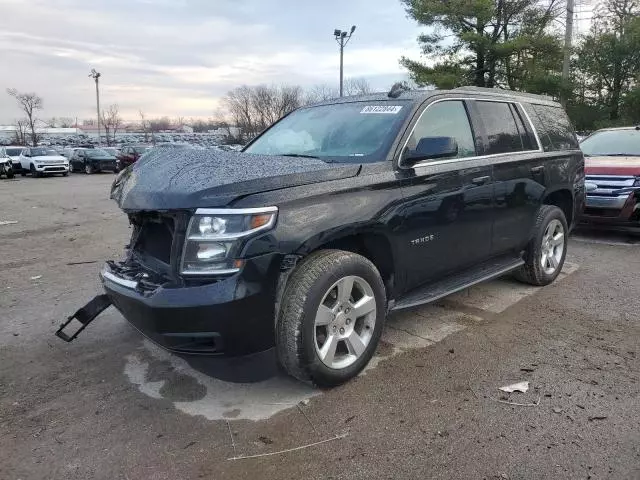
point(338, 214)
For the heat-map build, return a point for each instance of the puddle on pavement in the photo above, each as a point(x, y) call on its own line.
point(253, 388)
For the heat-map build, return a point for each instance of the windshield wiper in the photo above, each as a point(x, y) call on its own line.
point(298, 155)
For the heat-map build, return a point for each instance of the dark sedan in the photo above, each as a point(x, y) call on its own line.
point(92, 160)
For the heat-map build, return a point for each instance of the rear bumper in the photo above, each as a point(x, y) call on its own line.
point(233, 316)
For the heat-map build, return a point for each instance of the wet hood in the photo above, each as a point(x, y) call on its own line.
point(612, 166)
point(166, 179)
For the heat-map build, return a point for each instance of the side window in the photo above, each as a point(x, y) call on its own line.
point(554, 128)
point(445, 119)
point(500, 127)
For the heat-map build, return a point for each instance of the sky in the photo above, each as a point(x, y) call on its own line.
point(180, 57)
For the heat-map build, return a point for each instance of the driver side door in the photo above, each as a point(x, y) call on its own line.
point(448, 202)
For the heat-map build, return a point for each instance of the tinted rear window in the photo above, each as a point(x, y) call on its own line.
point(554, 128)
point(500, 127)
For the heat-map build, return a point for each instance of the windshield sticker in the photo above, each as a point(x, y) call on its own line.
point(389, 109)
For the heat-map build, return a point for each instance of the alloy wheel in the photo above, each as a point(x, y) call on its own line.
point(552, 247)
point(345, 322)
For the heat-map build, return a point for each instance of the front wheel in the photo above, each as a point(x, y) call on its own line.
point(331, 317)
point(546, 252)
point(88, 168)
point(34, 172)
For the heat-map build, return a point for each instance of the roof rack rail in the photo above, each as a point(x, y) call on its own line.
point(494, 91)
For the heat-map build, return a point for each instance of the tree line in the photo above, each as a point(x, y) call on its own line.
point(518, 44)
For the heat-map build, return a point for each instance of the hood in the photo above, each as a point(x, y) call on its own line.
point(48, 158)
point(165, 179)
point(612, 166)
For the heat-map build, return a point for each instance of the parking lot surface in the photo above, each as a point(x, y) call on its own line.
point(111, 405)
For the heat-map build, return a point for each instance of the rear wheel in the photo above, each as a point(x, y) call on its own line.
point(331, 318)
point(547, 250)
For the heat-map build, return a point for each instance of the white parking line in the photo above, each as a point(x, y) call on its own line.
point(160, 374)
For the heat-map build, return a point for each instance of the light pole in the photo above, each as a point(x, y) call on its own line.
point(342, 38)
point(96, 76)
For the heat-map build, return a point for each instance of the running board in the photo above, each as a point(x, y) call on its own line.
point(489, 270)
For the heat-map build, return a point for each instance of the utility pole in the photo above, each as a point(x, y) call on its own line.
point(96, 76)
point(568, 38)
point(342, 38)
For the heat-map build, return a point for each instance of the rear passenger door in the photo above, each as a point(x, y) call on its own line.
point(510, 143)
point(448, 202)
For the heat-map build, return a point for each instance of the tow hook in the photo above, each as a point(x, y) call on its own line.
point(85, 316)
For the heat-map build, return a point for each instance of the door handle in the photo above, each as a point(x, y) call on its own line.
point(538, 169)
point(480, 180)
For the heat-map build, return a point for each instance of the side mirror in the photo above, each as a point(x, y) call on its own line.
point(431, 148)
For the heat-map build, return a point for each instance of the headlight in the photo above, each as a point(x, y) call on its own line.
point(214, 237)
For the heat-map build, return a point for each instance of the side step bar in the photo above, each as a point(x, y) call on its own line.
point(435, 291)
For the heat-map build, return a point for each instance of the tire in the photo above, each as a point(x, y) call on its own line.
point(70, 167)
point(23, 173)
point(310, 288)
point(34, 172)
point(10, 175)
point(88, 168)
point(65, 174)
point(533, 272)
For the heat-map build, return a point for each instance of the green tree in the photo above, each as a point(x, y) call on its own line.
point(487, 43)
point(607, 64)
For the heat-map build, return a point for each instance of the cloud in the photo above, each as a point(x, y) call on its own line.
point(179, 57)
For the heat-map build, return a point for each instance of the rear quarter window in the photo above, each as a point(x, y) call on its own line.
point(554, 128)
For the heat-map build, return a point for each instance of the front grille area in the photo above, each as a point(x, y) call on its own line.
point(155, 238)
point(607, 184)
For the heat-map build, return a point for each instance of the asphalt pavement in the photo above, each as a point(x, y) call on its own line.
point(111, 405)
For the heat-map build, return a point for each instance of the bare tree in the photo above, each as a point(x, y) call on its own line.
point(111, 122)
point(252, 109)
point(179, 122)
point(30, 103)
point(320, 93)
point(65, 122)
point(144, 123)
point(357, 86)
point(52, 122)
point(21, 131)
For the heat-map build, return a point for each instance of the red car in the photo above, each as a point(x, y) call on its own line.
point(129, 155)
point(612, 167)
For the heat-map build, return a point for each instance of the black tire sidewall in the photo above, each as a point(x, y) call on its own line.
point(319, 372)
point(551, 213)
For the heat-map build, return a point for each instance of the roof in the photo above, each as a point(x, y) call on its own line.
point(418, 96)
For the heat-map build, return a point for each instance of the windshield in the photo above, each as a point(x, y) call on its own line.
point(43, 152)
point(96, 152)
point(140, 149)
point(612, 143)
point(356, 132)
point(13, 152)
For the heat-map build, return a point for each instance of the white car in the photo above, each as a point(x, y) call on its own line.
point(13, 152)
point(41, 161)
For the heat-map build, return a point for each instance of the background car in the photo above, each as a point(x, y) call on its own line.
point(92, 160)
point(6, 166)
point(42, 161)
point(612, 167)
point(111, 150)
point(128, 155)
point(13, 152)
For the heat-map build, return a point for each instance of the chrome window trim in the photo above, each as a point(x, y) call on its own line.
point(475, 157)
